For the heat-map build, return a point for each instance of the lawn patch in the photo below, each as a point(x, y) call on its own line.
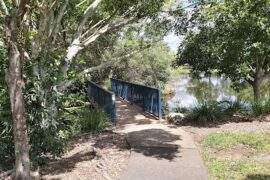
point(257, 142)
point(237, 155)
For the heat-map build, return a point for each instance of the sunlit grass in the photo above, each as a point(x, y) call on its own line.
point(236, 169)
point(257, 142)
point(247, 167)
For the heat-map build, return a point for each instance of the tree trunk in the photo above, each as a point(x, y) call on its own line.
point(257, 81)
point(15, 83)
point(256, 90)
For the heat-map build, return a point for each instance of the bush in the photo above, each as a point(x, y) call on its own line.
point(93, 120)
point(205, 113)
point(6, 130)
point(231, 107)
point(181, 110)
point(259, 108)
point(48, 136)
point(212, 111)
point(6, 143)
point(107, 84)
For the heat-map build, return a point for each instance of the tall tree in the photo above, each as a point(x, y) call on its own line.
point(233, 38)
point(15, 32)
point(43, 40)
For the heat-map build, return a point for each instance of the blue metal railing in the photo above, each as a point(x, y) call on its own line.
point(103, 98)
point(146, 97)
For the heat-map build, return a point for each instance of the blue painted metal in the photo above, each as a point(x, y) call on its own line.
point(103, 98)
point(146, 97)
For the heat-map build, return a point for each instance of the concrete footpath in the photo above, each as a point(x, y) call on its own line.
point(159, 151)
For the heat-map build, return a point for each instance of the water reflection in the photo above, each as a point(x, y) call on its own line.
point(191, 91)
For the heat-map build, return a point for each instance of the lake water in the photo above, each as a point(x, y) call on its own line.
point(192, 91)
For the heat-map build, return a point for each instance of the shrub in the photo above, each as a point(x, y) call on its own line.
point(107, 84)
point(93, 120)
point(205, 113)
point(181, 110)
point(48, 136)
point(259, 108)
point(231, 107)
point(6, 143)
point(266, 106)
point(6, 130)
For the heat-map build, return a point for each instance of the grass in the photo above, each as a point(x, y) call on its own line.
point(247, 167)
point(85, 119)
point(236, 169)
point(205, 113)
point(210, 112)
point(181, 110)
point(257, 142)
point(93, 120)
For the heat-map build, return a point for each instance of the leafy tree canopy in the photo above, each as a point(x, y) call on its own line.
point(233, 37)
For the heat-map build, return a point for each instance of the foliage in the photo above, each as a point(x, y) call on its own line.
point(205, 113)
point(231, 107)
point(177, 71)
point(48, 136)
point(259, 108)
point(6, 141)
point(232, 37)
point(6, 130)
point(181, 110)
point(107, 84)
point(93, 120)
point(248, 166)
point(59, 48)
point(150, 66)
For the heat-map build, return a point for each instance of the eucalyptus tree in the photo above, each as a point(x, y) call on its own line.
point(233, 38)
point(43, 39)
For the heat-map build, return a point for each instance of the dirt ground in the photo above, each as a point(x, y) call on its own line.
point(234, 124)
point(102, 156)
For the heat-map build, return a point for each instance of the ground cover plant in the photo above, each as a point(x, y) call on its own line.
point(239, 155)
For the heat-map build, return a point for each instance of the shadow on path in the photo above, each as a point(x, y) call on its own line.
point(156, 143)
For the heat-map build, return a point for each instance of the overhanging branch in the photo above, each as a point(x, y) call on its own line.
point(107, 28)
point(85, 17)
point(4, 7)
point(63, 86)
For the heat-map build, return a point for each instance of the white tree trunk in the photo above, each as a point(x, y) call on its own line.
point(16, 85)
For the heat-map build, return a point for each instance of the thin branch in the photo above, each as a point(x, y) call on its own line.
point(4, 7)
point(85, 17)
point(57, 22)
point(98, 24)
point(63, 86)
point(16, 2)
point(106, 28)
point(21, 10)
point(80, 3)
point(68, 83)
point(93, 27)
point(180, 8)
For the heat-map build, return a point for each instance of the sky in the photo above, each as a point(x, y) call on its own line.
point(173, 41)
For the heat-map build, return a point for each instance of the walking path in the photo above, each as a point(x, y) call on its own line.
point(159, 151)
